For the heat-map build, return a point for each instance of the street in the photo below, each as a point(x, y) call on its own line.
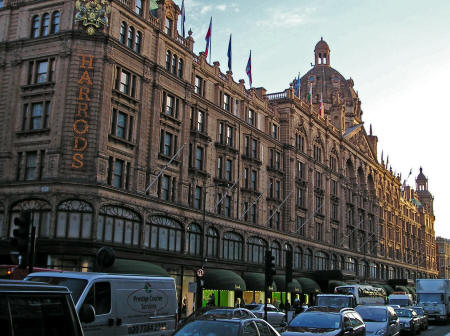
point(437, 329)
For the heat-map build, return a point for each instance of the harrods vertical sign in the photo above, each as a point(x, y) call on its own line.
point(81, 121)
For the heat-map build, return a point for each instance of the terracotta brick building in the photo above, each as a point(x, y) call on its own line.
point(122, 136)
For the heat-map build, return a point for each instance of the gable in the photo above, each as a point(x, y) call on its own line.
point(358, 138)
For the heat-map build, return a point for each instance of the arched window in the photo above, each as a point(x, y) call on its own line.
point(321, 261)
point(373, 270)
point(350, 264)
point(276, 253)
point(74, 219)
point(2, 222)
point(334, 262)
point(45, 29)
point(118, 225)
point(232, 246)
point(35, 26)
point(174, 64)
point(138, 42)
point(308, 260)
point(130, 37)
point(194, 239)
point(55, 22)
point(363, 269)
point(256, 249)
point(287, 247)
point(123, 32)
point(165, 233)
point(180, 68)
point(40, 215)
point(212, 242)
point(168, 59)
point(298, 258)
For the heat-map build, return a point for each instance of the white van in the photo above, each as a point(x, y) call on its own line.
point(110, 304)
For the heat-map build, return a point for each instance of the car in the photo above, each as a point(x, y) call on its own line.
point(33, 308)
point(226, 312)
point(326, 321)
point(423, 317)
point(274, 316)
point(379, 320)
point(409, 320)
point(210, 326)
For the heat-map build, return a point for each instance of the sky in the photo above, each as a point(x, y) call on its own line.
point(397, 53)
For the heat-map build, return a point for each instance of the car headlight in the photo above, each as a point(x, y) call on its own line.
point(380, 332)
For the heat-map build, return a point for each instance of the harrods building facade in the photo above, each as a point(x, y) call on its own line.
point(89, 120)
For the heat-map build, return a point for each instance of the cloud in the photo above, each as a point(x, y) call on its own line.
point(287, 19)
point(221, 7)
point(205, 9)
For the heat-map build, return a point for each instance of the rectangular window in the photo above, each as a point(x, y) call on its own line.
point(300, 142)
point(197, 197)
point(229, 141)
point(170, 105)
point(164, 187)
point(201, 121)
point(319, 231)
point(300, 170)
point(274, 131)
point(221, 133)
point(319, 203)
point(277, 160)
point(254, 148)
point(227, 206)
point(317, 153)
point(125, 82)
point(228, 170)
point(271, 188)
point(300, 226)
point(318, 181)
point(247, 145)
point(253, 214)
point(168, 26)
point(277, 220)
point(122, 125)
point(42, 71)
point(37, 117)
point(333, 163)
point(226, 102)
point(199, 158)
point(246, 176)
point(198, 89)
point(334, 236)
point(166, 143)
point(334, 211)
point(117, 175)
point(334, 187)
point(301, 197)
point(219, 167)
point(251, 117)
point(253, 180)
point(31, 166)
point(277, 190)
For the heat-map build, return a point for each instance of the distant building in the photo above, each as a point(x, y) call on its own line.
point(91, 116)
point(443, 257)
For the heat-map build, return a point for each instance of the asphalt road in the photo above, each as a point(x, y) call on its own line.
point(437, 329)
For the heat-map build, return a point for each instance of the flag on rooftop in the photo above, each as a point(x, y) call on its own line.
point(321, 107)
point(248, 69)
point(229, 54)
point(297, 86)
point(183, 18)
point(208, 38)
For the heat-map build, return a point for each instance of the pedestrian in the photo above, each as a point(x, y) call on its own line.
point(275, 302)
point(212, 300)
point(184, 307)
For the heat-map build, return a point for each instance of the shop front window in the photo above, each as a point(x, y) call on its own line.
point(118, 225)
point(232, 246)
point(164, 234)
point(212, 240)
point(40, 215)
point(256, 248)
point(74, 219)
point(194, 239)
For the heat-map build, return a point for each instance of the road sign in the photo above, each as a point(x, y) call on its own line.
point(200, 272)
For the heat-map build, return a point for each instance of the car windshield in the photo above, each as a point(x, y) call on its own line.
point(430, 297)
point(222, 313)
point(252, 306)
point(316, 320)
point(400, 302)
point(333, 301)
point(209, 328)
point(403, 312)
point(419, 311)
point(76, 286)
point(370, 314)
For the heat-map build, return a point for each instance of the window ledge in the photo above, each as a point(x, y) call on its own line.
point(36, 86)
point(122, 141)
point(275, 170)
point(167, 158)
point(122, 95)
point(169, 117)
point(196, 171)
point(225, 147)
point(200, 134)
point(42, 131)
point(251, 159)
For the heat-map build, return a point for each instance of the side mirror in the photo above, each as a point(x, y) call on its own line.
point(349, 329)
point(87, 313)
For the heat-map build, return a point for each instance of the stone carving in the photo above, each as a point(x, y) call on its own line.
point(92, 14)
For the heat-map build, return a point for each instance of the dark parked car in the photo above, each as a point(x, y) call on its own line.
point(210, 326)
point(409, 320)
point(274, 316)
point(423, 317)
point(327, 321)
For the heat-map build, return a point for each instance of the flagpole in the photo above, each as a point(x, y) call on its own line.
point(210, 42)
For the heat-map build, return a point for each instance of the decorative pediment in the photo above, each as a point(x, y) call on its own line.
point(359, 139)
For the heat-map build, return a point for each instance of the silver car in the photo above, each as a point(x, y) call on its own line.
point(275, 317)
point(380, 320)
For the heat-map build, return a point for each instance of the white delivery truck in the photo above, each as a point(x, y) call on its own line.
point(434, 296)
point(110, 304)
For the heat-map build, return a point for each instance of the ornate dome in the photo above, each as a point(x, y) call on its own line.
point(322, 46)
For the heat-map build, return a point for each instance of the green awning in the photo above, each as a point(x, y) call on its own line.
point(223, 279)
point(256, 282)
point(402, 289)
point(293, 287)
point(309, 286)
point(126, 266)
point(332, 284)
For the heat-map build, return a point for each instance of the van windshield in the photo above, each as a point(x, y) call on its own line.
point(430, 297)
point(76, 286)
point(333, 301)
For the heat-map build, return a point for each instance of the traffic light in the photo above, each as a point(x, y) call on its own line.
point(269, 268)
point(21, 235)
point(288, 267)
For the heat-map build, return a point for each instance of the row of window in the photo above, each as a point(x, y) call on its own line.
point(174, 64)
point(45, 24)
point(130, 37)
